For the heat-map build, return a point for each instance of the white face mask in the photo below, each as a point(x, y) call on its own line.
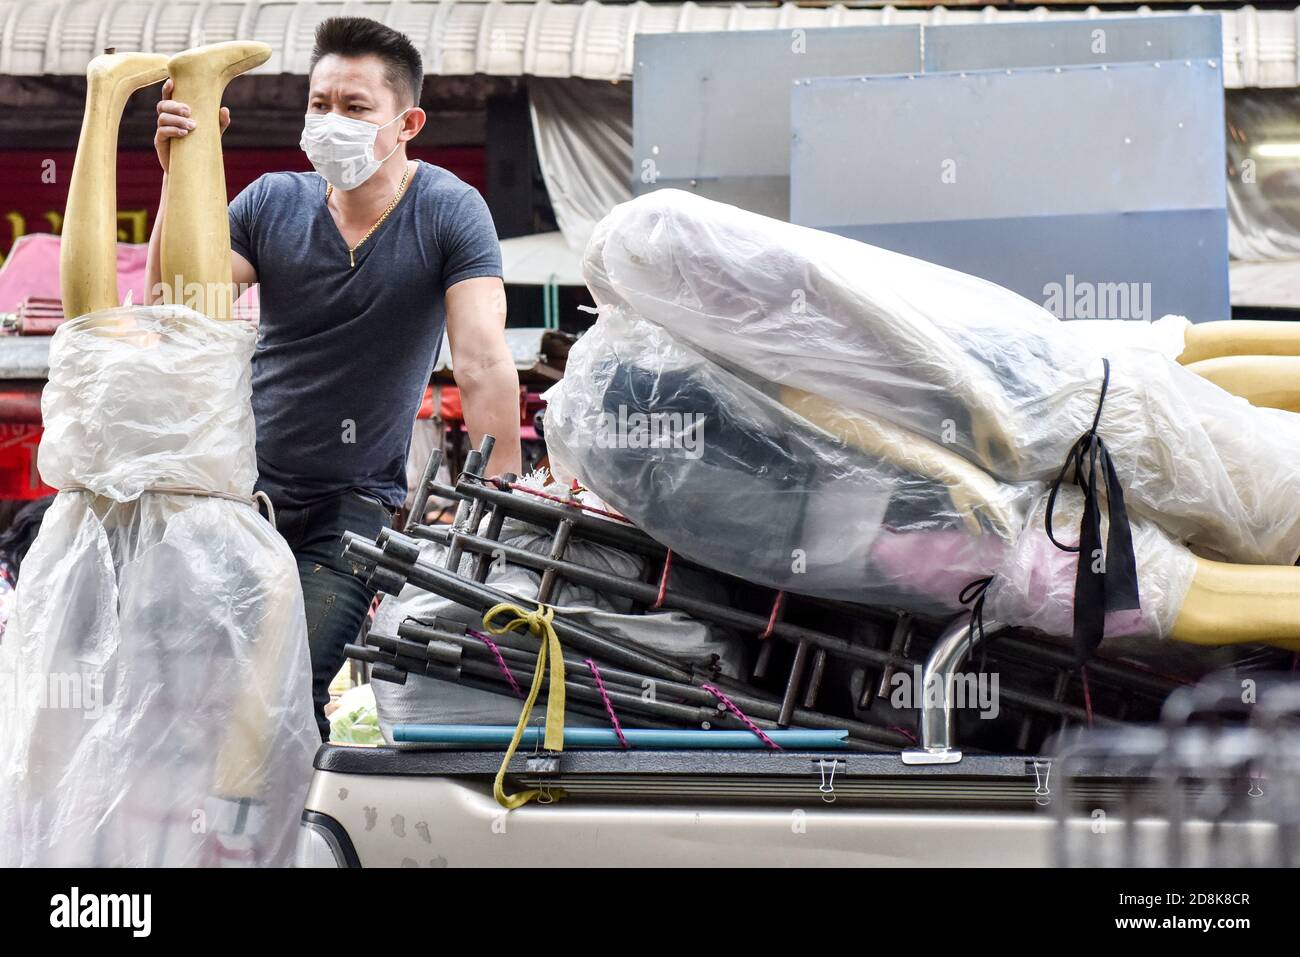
point(342, 149)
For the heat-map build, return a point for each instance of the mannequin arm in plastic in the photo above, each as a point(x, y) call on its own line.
point(88, 246)
point(973, 492)
point(1239, 337)
point(195, 249)
point(1268, 381)
point(1241, 604)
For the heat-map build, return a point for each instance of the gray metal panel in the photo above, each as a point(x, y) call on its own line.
point(1005, 144)
point(1003, 180)
point(1085, 41)
point(709, 107)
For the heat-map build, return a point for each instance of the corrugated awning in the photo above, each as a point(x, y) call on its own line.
point(590, 40)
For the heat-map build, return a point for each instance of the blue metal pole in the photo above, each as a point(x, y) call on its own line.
point(605, 738)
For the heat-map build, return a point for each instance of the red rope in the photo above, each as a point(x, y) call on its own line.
point(663, 581)
point(731, 706)
point(571, 503)
point(904, 732)
point(501, 662)
point(1087, 695)
point(609, 705)
point(777, 605)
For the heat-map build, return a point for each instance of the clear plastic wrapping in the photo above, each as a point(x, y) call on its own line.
point(741, 482)
point(160, 709)
point(973, 367)
point(1166, 335)
point(759, 491)
point(818, 415)
point(1034, 585)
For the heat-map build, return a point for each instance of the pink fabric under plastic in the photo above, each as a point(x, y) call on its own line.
point(32, 270)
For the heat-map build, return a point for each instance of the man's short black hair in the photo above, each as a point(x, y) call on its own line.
point(361, 36)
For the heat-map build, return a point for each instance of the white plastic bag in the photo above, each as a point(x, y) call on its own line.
point(156, 700)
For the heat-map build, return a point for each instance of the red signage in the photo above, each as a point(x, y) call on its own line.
point(34, 184)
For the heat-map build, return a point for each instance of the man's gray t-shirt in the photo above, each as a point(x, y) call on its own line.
point(344, 353)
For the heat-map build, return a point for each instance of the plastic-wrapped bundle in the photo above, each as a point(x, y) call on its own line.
point(707, 463)
point(424, 700)
point(754, 488)
point(966, 363)
point(162, 706)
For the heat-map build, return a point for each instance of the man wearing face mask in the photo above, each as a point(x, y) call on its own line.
point(360, 266)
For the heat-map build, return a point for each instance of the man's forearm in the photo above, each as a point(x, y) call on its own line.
point(153, 261)
point(490, 398)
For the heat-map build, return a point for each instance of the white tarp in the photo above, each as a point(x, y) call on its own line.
point(583, 130)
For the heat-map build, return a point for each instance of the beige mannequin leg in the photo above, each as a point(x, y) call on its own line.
point(196, 248)
point(195, 258)
point(1226, 604)
point(973, 491)
point(195, 255)
point(1268, 381)
point(243, 754)
point(88, 247)
point(1241, 604)
point(1236, 337)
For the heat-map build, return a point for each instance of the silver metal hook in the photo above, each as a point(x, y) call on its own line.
point(1043, 793)
point(827, 787)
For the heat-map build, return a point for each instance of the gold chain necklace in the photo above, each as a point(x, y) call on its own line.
point(401, 188)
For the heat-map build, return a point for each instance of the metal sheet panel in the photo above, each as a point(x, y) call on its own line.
point(711, 110)
point(1042, 180)
point(1079, 42)
point(1025, 143)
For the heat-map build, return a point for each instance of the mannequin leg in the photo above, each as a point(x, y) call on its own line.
point(1267, 381)
point(974, 493)
point(1236, 337)
point(195, 255)
point(1241, 604)
point(88, 247)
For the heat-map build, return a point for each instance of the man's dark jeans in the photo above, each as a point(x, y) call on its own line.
point(336, 600)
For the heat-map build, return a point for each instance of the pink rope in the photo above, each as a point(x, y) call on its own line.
point(904, 732)
point(777, 604)
point(731, 706)
point(663, 581)
point(1087, 695)
point(501, 662)
point(609, 705)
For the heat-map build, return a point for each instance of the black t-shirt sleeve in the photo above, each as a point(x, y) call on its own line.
point(469, 241)
point(243, 217)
